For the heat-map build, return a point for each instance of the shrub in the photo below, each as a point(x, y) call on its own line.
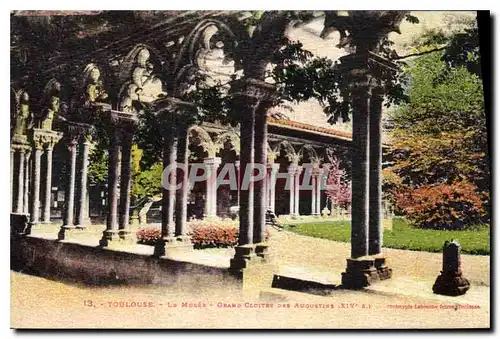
point(148, 235)
point(442, 206)
point(204, 233)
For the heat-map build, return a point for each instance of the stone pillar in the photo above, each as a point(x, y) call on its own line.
point(82, 200)
point(272, 186)
point(212, 164)
point(35, 202)
point(111, 232)
point(70, 186)
point(292, 169)
point(125, 182)
point(12, 154)
point(182, 179)
point(297, 189)
point(168, 201)
point(260, 159)
point(319, 181)
point(451, 280)
point(237, 165)
point(314, 183)
point(375, 191)
point(27, 166)
point(20, 183)
point(48, 186)
point(361, 70)
point(254, 97)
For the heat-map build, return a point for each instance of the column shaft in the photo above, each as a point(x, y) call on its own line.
point(27, 172)
point(182, 177)
point(125, 181)
point(375, 161)
point(272, 184)
point(35, 203)
point(113, 175)
point(247, 133)
point(82, 200)
point(318, 193)
point(20, 183)
point(297, 191)
point(359, 224)
point(291, 177)
point(314, 182)
point(12, 153)
point(260, 159)
point(168, 201)
point(48, 186)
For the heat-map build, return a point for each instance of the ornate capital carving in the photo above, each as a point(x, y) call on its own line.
point(367, 71)
point(258, 90)
point(45, 139)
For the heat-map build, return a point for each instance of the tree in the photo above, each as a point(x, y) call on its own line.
point(439, 137)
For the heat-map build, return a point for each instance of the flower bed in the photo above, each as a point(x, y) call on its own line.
point(204, 234)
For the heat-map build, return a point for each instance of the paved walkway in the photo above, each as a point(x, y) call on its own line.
point(406, 301)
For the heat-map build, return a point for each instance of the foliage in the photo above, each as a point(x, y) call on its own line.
point(404, 236)
point(442, 206)
point(338, 187)
point(439, 142)
point(204, 233)
point(98, 166)
point(148, 235)
point(147, 183)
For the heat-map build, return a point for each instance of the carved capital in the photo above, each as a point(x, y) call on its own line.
point(367, 71)
point(45, 139)
point(258, 90)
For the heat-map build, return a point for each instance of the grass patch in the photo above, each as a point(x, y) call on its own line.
point(402, 236)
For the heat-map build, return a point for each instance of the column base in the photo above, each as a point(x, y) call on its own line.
point(19, 224)
point(244, 255)
point(172, 243)
point(383, 271)
point(360, 272)
point(262, 250)
point(451, 284)
point(110, 238)
point(68, 232)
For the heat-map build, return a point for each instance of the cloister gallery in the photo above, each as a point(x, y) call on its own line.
point(58, 106)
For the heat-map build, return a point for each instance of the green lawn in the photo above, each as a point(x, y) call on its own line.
point(402, 236)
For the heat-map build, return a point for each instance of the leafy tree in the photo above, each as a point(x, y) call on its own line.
point(439, 137)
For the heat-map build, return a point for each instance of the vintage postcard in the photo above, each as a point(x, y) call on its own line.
point(249, 169)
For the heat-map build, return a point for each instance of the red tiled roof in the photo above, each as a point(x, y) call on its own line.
point(307, 127)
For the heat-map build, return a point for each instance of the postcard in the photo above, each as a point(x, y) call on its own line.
point(226, 169)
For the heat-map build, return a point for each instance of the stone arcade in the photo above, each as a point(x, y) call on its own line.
point(111, 83)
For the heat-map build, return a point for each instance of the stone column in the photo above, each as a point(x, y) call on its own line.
point(237, 165)
point(35, 203)
point(27, 166)
point(272, 186)
point(212, 164)
point(70, 188)
point(314, 184)
point(111, 232)
point(12, 154)
point(48, 186)
point(319, 181)
point(260, 158)
point(297, 189)
point(82, 200)
point(168, 194)
point(375, 192)
point(125, 182)
point(361, 71)
point(20, 183)
point(254, 97)
point(182, 179)
point(292, 169)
